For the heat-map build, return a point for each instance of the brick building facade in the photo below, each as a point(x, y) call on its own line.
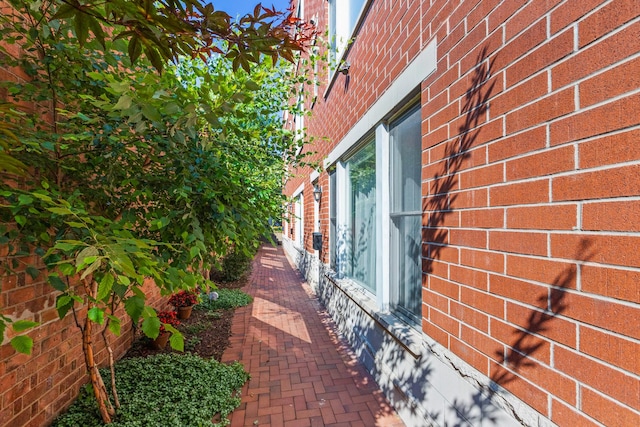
point(479, 205)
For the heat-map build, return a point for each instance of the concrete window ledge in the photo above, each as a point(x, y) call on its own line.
point(403, 334)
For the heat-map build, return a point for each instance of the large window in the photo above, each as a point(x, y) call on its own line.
point(376, 215)
point(343, 17)
point(406, 215)
point(361, 220)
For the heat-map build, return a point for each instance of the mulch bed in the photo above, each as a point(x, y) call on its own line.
point(205, 333)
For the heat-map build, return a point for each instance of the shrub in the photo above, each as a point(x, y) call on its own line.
point(165, 390)
point(234, 265)
point(227, 298)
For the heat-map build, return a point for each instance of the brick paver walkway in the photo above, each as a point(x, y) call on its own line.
point(302, 372)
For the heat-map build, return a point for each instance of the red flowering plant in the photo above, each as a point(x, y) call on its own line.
point(183, 299)
point(168, 317)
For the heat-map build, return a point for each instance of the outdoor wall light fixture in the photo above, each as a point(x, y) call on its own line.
point(317, 192)
point(344, 68)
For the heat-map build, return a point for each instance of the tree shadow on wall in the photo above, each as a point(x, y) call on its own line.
point(438, 204)
point(409, 377)
point(527, 341)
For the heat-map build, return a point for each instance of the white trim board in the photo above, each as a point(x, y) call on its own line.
point(298, 191)
point(412, 76)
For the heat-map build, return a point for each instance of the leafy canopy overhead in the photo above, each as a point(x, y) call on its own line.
point(165, 30)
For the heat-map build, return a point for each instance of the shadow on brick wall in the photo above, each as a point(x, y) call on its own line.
point(438, 204)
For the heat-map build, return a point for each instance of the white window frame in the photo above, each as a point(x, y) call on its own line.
point(300, 10)
point(394, 305)
point(333, 220)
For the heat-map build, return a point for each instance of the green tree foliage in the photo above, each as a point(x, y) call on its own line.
point(116, 173)
point(166, 30)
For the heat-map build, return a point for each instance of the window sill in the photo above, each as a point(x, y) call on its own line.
point(401, 332)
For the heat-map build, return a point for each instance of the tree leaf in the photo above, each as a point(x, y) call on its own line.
point(134, 48)
point(151, 327)
point(177, 341)
point(60, 211)
point(194, 251)
point(151, 113)
point(67, 269)
point(23, 325)
point(105, 286)
point(57, 283)
point(134, 306)
point(23, 199)
point(64, 11)
point(251, 85)
point(93, 267)
point(96, 29)
point(21, 220)
point(81, 26)
point(32, 271)
point(123, 103)
point(63, 305)
point(89, 251)
point(96, 315)
point(22, 344)
point(114, 325)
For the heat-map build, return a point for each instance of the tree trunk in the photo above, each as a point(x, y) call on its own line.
point(99, 389)
point(114, 391)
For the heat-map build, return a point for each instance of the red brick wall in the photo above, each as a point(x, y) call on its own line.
point(531, 129)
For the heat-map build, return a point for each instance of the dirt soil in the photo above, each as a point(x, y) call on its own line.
point(205, 333)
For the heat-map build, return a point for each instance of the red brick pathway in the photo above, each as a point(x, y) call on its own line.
point(302, 373)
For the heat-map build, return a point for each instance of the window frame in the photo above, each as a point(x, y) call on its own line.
point(382, 289)
point(394, 285)
point(356, 234)
point(298, 217)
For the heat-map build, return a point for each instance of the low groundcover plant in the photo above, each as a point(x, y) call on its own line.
point(166, 390)
point(226, 299)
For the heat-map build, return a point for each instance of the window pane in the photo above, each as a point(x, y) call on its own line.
point(406, 160)
point(343, 16)
point(361, 225)
point(332, 33)
point(406, 266)
point(355, 6)
point(406, 218)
